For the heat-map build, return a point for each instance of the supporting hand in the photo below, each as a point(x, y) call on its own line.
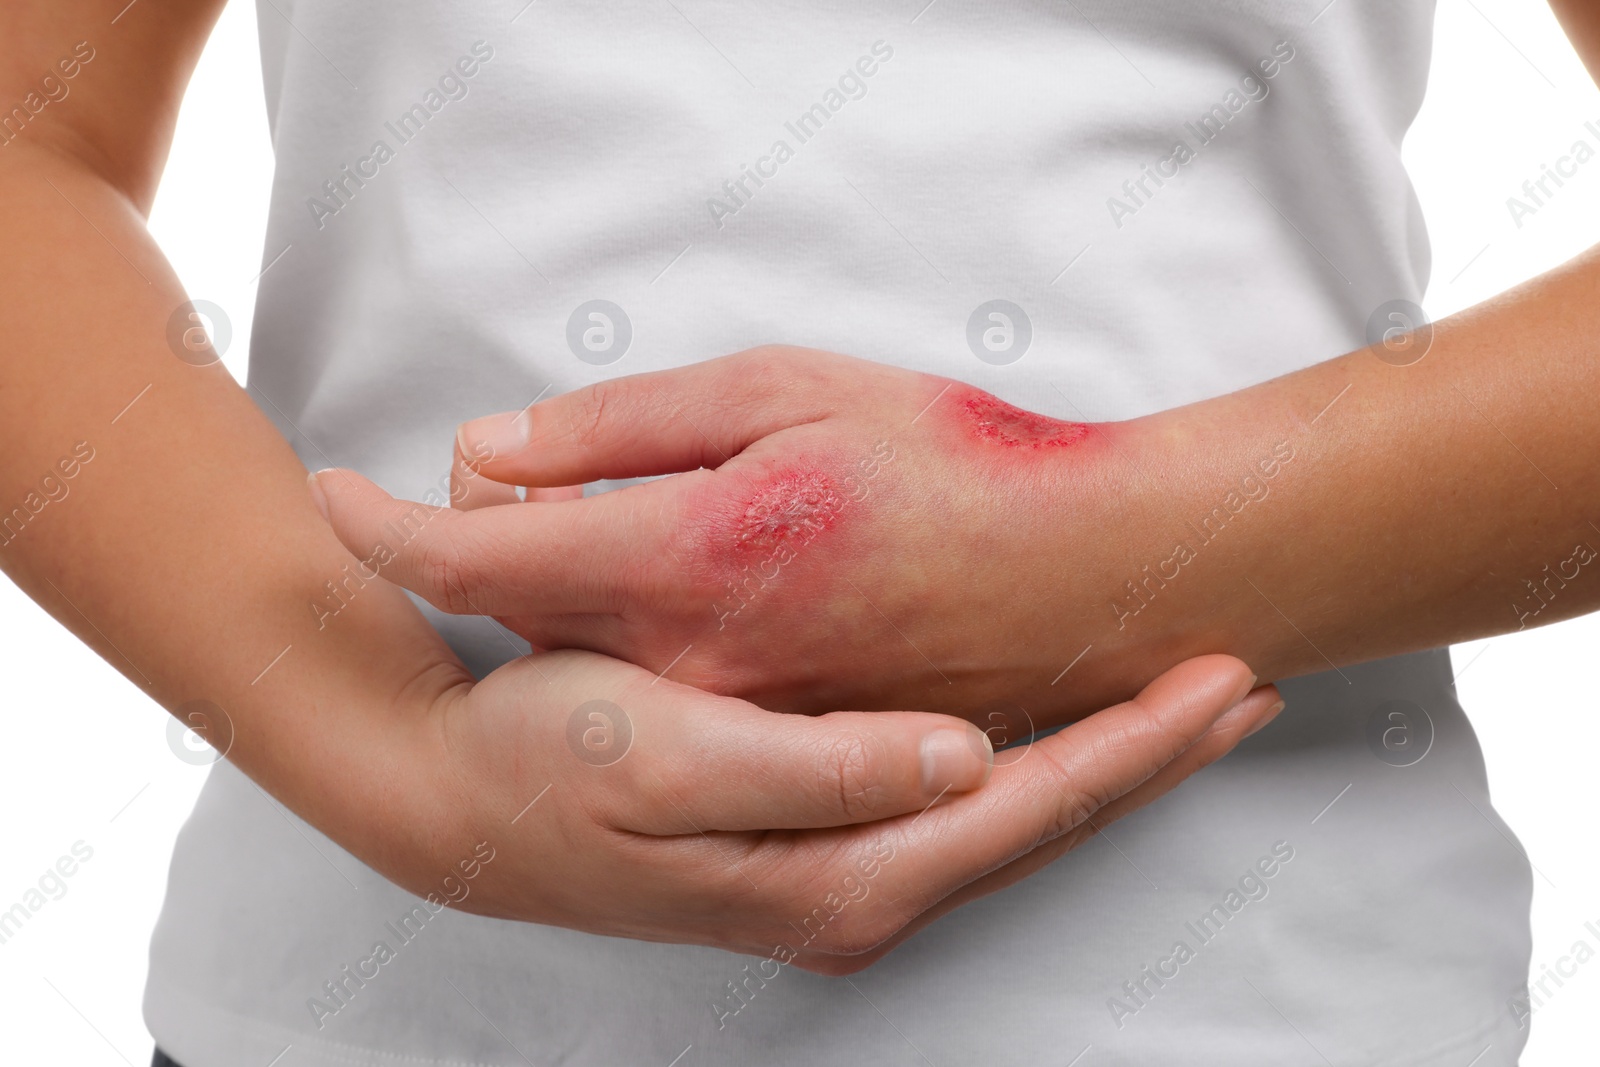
point(620, 804)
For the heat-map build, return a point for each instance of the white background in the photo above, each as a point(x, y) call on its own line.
point(85, 756)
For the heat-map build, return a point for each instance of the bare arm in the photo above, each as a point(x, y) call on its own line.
point(184, 550)
point(1581, 20)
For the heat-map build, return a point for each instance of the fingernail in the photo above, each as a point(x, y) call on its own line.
point(1242, 692)
point(494, 436)
point(1271, 713)
point(950, 761)
point(318, 497)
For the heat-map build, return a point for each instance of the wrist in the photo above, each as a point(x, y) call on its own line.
point(1212, 490)
point(410, 795)
point(350, 735)
point(1118, 512)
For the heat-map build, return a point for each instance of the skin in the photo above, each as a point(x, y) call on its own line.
point(188, 552)
point(1387, 501)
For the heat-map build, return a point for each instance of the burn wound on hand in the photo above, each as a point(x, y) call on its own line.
point(788, 510)
point(992, 419)
point(750, 537)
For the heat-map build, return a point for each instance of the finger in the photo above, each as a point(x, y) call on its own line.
point(714, 764)
point(1056, 786)
point(1250, 715)
point(1095, 762)
point(469, 491)
point(659, 423)
point(523, 558)
point(556, 493)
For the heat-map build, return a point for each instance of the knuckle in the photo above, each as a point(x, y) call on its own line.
point(444, 575)
point(1159, 737)
point(765, 359)
point(591, 410)
point(770, 371)
point(848, 764)
point(645, 571)
point(748, 380)
point(1076, 807)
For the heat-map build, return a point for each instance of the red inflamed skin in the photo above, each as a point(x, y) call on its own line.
point(788, 511)
point(994, 421)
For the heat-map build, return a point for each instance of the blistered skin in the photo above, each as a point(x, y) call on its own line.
point(992, 419)
point(751, 539)
point(788, 511)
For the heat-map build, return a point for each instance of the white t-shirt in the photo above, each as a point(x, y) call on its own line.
point(1174, 199)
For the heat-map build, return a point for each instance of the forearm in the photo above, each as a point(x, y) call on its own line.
point(186, 550)
point(1421, 505)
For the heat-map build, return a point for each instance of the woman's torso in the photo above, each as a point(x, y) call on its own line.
point(932, 161)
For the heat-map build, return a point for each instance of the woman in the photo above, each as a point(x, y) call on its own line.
point(482, 207)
